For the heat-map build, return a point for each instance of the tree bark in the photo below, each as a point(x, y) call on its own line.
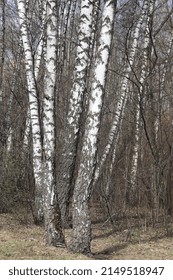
point(141, 95)
point(54, 234)
point(67, 165)
point(34, 112)
point(82, 190)
point(116, 124)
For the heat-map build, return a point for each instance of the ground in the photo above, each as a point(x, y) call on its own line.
point(19, 241)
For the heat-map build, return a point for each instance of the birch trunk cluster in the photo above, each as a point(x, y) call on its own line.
point(76, 106)
point(43, 152)
point(82, 189)
point(85, 112)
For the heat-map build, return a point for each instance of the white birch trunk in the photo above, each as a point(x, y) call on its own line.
point(45, 164)
point(54, 235)
point(134, 167)
point(40, 47)
point(81, 214)
point(33, 108)
point(40, 50)
point(115, 128)
point(75, 108)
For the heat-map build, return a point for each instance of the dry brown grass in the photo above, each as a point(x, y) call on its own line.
point(19, 241)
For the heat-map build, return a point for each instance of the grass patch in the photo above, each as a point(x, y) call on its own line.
point(27, 242)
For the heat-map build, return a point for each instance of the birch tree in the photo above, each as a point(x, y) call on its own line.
point(43, 155)
point(66, 170)
point(37, 55)
point(81, 213)
point(33, 110)
point(52, 215)
point(122, 98)
point(142, 80)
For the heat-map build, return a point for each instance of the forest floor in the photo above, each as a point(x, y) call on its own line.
point(20, 241)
